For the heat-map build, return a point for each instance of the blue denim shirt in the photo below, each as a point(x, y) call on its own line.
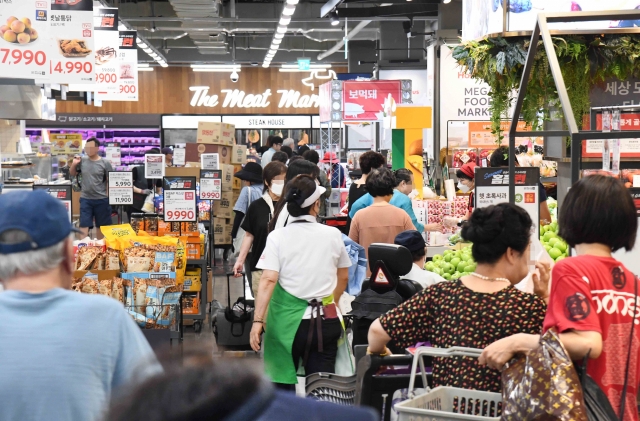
point(358, 268)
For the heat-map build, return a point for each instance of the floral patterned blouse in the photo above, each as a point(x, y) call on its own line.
point(450, 314)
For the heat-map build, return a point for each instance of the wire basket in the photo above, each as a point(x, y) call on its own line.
point(446, 403)
point(161, 316)
point(332, 388)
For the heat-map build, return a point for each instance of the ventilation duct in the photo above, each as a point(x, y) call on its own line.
point(206, 36)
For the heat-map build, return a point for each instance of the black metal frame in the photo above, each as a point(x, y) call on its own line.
point(542, 30)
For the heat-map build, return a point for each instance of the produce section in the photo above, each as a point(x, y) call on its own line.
point(452, 264)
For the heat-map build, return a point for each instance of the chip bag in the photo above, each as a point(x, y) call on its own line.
point(113, 234)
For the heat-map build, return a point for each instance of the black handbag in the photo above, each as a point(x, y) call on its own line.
point(598, 406)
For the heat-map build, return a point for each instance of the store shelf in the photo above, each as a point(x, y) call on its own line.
point(548, 179)
point(196, 262)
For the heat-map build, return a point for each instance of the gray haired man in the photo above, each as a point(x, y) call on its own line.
point(63, 353)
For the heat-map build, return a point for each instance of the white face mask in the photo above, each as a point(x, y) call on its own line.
point(463, 188)
point(276, 187)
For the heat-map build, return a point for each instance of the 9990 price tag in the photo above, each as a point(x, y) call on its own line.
point(210, 188)
point(180, 205)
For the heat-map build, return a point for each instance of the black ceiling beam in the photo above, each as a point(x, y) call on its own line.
point(395, 10)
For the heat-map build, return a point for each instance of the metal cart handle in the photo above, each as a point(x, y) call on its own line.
point(455, 351)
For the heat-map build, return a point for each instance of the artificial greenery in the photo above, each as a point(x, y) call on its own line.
point(585, 61)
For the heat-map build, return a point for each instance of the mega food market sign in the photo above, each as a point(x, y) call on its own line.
point(235, 98)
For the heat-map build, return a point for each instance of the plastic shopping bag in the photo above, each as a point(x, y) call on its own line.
point(543, 385)
point(149, 206)
point(537, 253)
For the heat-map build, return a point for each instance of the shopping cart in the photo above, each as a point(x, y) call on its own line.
point(445, 403)
point(330, 387)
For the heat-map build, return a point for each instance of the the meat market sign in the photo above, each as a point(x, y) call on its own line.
point(235, 98)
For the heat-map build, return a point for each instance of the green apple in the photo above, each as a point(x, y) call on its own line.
point(448, 268)
point(470, 268)
point(552, 241)
point(549, 235)
point(436, 258)
point(547, 247)
point(446, 252)
point(447, 276)
point(455, 261)
point(560, 245)
point(429, 266)
point(554, 253)
point(461, 267)
point(465, 274)
point(560, 258)
point(456, 275)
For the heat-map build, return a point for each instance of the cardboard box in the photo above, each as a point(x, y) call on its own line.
point(193, 252)
point(102, 274)
point(223, 208)
point(192, 283)
point(222, 231)
point(227, 177)
point(236, 183)
point(239, 154)
point(183, 172)
point(216, 133)
point(194, 150)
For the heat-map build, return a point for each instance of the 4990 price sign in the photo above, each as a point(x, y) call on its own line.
point(180, 206)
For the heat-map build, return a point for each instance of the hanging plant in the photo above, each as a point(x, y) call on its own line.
point(584, 61)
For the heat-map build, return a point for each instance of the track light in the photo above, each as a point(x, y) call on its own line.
point(288, 10)
point(278, 36)
point(446, 1)
point(334, 18)
point(276, 41)
point(284, 20)
point(281, 29)
point(292, 2)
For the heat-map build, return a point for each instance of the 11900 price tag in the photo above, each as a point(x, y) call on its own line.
point(180, 205)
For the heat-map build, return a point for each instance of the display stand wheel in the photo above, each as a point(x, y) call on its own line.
point(197, 326)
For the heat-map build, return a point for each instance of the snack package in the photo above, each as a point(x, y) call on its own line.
point(76, 284)
point(155, 292)
point(137, 221)
point(117, 289)
point(151, 223)
point(139, 294)
point(142, 321)
point(191, 304)
point(114, 233)
point(112, 259)
point(164, 262)
point(104, 287)
point(99, 262)
point(170, 307)
point(87, 241)
point(128, 294)
point(138, 258)
point(89, 286)
point(86, 257)
point(189, 229)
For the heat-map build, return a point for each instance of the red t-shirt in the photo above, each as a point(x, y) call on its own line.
point(596, 294)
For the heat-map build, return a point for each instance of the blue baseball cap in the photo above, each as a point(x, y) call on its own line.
point(411, 239)
point(41, 216)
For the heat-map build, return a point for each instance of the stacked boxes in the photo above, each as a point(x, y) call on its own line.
point(218, 138)
point(236, 183)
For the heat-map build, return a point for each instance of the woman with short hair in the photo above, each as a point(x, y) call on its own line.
point(592, 303)
point(305, 272)
point(477, 309)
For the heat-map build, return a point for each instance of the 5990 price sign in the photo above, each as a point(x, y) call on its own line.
point(180, 206)
point(120, 188)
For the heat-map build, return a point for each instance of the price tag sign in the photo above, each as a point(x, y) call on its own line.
point(120, 188)
point(179, 157)
point(107, 39)
point(25, 39)
point(71, 58)
point(63, 193)
point(126, 76)
point(112, 154)
point(154, 166)
point(210, 161)
point(180, 206)
point(211, 185)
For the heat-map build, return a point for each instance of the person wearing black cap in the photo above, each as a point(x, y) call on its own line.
point(63, 353)
point(305, 272)
point(168, 156)
point(415, 243)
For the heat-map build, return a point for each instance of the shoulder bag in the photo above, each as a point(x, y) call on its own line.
point(237, 242)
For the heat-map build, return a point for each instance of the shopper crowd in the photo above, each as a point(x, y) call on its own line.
point(71, 356)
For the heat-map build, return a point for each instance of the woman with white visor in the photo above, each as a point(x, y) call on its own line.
point(305, 271)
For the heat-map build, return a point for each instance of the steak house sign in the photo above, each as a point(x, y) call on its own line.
point(235, 98)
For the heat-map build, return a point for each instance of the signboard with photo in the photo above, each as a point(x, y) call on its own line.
point(365, 101)
point(105, 23)
point(126, 70)
point(180, 199)
point(71, 36)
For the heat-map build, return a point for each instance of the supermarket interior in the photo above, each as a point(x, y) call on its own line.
point(468, 171)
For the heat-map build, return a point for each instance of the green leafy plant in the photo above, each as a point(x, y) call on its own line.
point(585, 61)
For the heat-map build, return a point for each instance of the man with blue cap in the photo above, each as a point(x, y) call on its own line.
point(63, 353)
point(414, 241)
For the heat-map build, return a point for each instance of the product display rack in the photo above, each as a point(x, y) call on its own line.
point(202, 307)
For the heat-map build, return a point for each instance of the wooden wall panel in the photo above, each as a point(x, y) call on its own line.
point(166, 91)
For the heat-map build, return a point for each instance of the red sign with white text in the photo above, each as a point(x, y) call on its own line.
point(629, 148)
point(364, 101)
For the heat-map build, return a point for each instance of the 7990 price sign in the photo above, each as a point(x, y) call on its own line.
point(180, 206)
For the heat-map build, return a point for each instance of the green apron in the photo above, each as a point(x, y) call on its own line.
point(283, 320)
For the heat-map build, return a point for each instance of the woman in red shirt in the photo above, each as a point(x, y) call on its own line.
point(592, 296)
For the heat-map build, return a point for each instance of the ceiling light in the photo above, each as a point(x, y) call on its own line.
point(292, 2)
point(121, 27)
point(143, 65)
point(276, 41)
point(163, 64)
point(281, 29)
point(312, 66)
point(145, 69)
point(278, 36)
point(265, 65)
point(446, 1)
point(288, 10)
point(334, 18)
point(284, 20)
point(217, 66)
point(142, 45)
point(273, 51)
point(274, 46)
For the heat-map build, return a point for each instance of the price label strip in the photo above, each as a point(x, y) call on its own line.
point(120, 188)
point(211, 185)
point(180, 206)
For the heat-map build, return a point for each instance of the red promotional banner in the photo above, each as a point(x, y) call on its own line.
point(629, 148)
point(364, 101)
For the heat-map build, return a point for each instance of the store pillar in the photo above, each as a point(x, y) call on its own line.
point(407, 140)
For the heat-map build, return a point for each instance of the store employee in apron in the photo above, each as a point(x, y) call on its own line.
point(305, 271)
